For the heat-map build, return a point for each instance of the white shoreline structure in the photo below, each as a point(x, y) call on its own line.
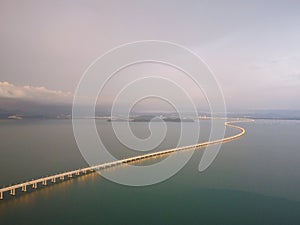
point(62, 176)
point(15, 117)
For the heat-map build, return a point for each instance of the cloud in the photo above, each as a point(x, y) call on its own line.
point(36, 94)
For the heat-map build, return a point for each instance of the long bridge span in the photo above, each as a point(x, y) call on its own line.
point(44, 181)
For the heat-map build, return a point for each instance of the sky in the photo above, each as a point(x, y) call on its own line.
point(252, 47)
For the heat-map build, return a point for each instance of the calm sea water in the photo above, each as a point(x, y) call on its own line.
point(254, 180)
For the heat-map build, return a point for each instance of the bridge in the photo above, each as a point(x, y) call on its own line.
point(44, 181)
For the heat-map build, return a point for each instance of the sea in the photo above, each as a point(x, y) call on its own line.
point(253, 180)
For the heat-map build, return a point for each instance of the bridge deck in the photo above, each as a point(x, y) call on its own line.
point(77, 172)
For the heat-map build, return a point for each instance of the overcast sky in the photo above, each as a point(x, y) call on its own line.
point(252, 47)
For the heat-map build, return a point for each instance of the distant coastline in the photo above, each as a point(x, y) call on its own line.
point(154, 117)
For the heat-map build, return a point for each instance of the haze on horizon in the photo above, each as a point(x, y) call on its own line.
point(252, 47)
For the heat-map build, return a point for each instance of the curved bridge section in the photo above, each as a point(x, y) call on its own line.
point(44, 181)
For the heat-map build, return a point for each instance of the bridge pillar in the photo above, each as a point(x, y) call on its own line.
point(77, 173)
point(34, 185)
point(24, 188)
point(13, 192)
point(53, 180)
point(1, 195)
point(44, 182)
point(62, 177)
point(70, 175)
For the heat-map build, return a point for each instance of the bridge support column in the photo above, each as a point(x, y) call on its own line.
point(24, 188)
point(62, 177)
point(34, 186)
point(1, 195)
point(13, 192)
point(77, 173)
point(44, 182)
point(53, 180)
point(70, 175)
